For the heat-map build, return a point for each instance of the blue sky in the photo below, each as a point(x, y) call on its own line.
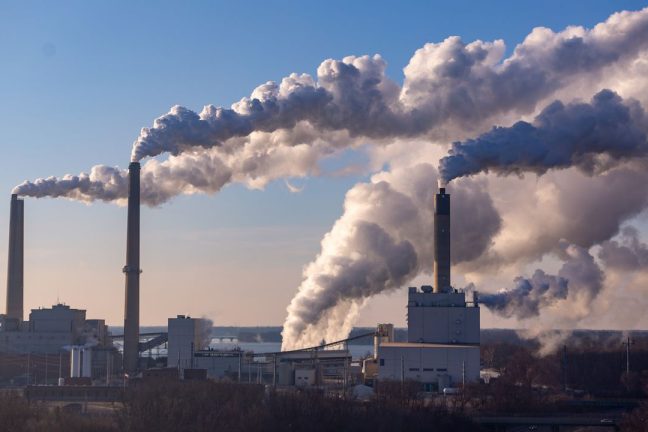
point(79, 79)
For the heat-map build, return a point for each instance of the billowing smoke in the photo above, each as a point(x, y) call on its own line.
point(451, 89)
point(627, 254)
point(253, 161)
point(382, 241)
point(528, 295)
point(446, 84)
point(205, 326)
point(588, 136)
point(579, 279)
point(102, 183)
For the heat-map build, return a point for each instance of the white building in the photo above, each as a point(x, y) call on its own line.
point(186, 336)
point(49, 330)
point(443, 342)
point(442, 348)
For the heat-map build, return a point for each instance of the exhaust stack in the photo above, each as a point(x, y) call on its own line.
point(442, 241)
point(132, 272)
point(15, 267)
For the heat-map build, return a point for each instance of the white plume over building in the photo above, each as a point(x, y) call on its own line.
point(591, 81)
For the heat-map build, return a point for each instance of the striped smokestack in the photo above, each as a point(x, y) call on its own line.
point(442, 241)
point(132, 272)
point(15, 266)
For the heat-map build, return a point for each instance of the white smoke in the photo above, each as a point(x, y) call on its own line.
point(382, 241)
point(451, 91)
point(447, 86)
point(592, 137)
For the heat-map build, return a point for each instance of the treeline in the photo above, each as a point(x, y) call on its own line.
point(598, 370)
point(211, 406)
point(208, 406)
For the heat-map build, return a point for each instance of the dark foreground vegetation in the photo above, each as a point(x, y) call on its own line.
point(210, 406)
point(568, 382)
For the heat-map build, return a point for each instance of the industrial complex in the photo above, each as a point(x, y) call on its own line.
point(441, 350)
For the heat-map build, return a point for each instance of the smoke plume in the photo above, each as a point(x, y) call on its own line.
point(627, 254)
point(451, 84)
point(382, 241)
point(589, 136)
point(580, 279)
point(528, 295)
point(450, 90)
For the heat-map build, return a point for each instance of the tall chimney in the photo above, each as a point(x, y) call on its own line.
point(15, 266)
point(132, 272)
point(442, 241)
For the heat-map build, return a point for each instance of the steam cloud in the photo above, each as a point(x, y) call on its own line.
point(580, 277)
point(451, 91)
point(380, 243)
point(450, 84)
point(562, 136)
point(628, 254)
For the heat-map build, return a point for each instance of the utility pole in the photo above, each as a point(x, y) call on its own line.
point(402, 374)
point(274, 370)
point(627, 344)
point(239, 366)
point(563, 365)
point(107, 368)
point(463, 375)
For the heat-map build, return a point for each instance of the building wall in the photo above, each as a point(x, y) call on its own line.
point(41, 342)
point(219, 367)
point(58, 318)
point(441, 318)
point(443, 325)
point(444, 366)
point(184, 339)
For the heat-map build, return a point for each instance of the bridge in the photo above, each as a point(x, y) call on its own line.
point(151, 340)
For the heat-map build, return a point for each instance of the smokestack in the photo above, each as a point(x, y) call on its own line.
point(16, 259)
point(132, 271)
point(442, 241)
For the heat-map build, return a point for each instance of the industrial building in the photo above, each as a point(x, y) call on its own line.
point(51, 329)
point(441, 351)
point(442, 348)
point(57, 332)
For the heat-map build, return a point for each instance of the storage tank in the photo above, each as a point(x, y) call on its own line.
point(86, 370)
point(75, 362)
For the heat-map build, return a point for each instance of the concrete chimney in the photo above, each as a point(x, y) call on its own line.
point(442, 241)
point(132, 272)
point(15, 266)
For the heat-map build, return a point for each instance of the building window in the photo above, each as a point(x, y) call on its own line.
point(428, 369)
point(414, 369)
point(382, 362)
point(442, 370)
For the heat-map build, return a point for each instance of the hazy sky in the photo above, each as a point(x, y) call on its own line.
point(79, 79)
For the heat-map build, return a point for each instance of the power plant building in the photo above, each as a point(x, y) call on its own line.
point(443, 329)
point(54, 330)
point(50, 330)
point(186, 336)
